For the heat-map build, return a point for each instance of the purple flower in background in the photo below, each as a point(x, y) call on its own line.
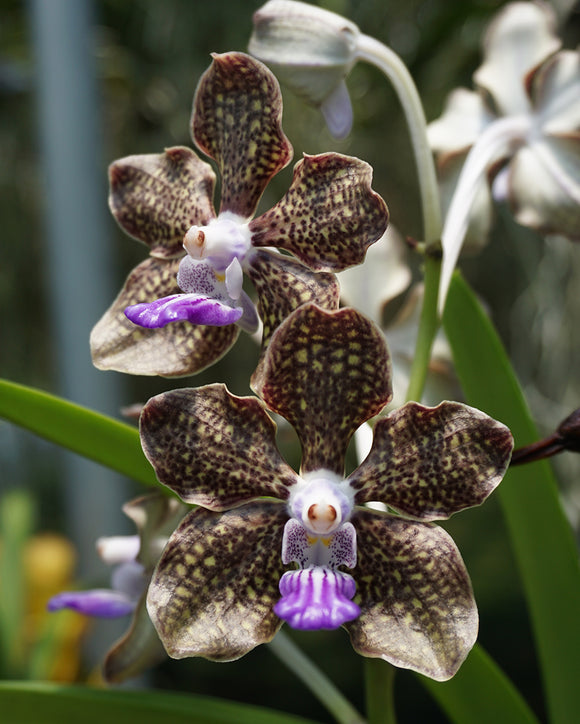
point(133, 558)
point(268, 545)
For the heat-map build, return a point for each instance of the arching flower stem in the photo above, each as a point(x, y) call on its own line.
point(388, 62)
point(315, 680)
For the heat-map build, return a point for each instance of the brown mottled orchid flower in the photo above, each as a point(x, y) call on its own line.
point(268, 545)
point(181, 309)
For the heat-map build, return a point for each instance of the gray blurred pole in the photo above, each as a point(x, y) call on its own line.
point(78, 249)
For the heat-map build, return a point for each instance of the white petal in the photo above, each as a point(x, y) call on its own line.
point(521, 36)
point(463, 119)
point(556, 93)
point(545, 186)
point(382, 276)
point(337, 111)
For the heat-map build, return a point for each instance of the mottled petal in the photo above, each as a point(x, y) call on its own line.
point(237, 113)
point(544, 184)
point(138, 650)
point(191, 308)
point(213, 448)
point(176, 350)
point(157, 197)
point(430, 462)
point(284, 284)
point(417, 606)
point(216, 584)
point(520, 37)
point(316, 598)
point(329, 215)
point(156, 516)
point(326, 373)
point(100, 602)
point(464, 117)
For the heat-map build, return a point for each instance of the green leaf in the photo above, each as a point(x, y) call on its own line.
point(88, 433)
point(480, 693)
point(24, 703)
point(541, 537)
point(16, 521)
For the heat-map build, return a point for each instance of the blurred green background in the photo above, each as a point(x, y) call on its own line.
point(146, 58)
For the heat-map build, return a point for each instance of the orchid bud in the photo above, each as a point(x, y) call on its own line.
point(310, 50)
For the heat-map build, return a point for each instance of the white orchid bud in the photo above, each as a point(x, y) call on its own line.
point(311, 50)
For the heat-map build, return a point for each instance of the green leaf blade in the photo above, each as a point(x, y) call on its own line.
point(542, 539)
point(90, 434)
point(23, 703)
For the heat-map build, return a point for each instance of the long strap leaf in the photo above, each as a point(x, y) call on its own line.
point(23, 703)
point(88, 433)
point(541, 537)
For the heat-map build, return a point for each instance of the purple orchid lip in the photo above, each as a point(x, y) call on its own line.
point(316, 598)
point(183, 308)
point(100, 602)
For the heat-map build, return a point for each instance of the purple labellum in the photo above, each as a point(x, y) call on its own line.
point(183, 308)
point(316, 598)
point(100, 602)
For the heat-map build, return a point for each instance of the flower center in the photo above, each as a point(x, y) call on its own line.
point(321, 517)
point(220, 242)
point(322, 502)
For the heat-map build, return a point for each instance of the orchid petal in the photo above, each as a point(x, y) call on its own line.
point(234, 278)
point(464, 117)
point(555, 89)
point(385, 274)
point(216, 584)
point(521, 36)
point(118, 549)
point(175, 350)
point(157, 197)
point(135, 652)
point(545, 185)
point(237, 121)
point(326, 373)
point(129, 578)
point(213, 448)
point(337, 111)
point(430, 462)
point(191, 308)
point(336, 549)
point(284, 284)
point(100, 602)
point(416, 601)
point(329, 215)
point(316, 598)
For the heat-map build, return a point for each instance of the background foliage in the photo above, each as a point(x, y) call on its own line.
point(149, 57)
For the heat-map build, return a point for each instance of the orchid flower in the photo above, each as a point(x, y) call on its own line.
point(182, 308)
point(520, 129)
point(268, 545)
point(133, 558)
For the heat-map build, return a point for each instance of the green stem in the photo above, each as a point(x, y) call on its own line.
point(389, 63)
point(428, 326)
point(380, 692)
point(310, 675)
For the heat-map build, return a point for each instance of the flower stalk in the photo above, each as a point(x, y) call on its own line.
point(314, 679)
